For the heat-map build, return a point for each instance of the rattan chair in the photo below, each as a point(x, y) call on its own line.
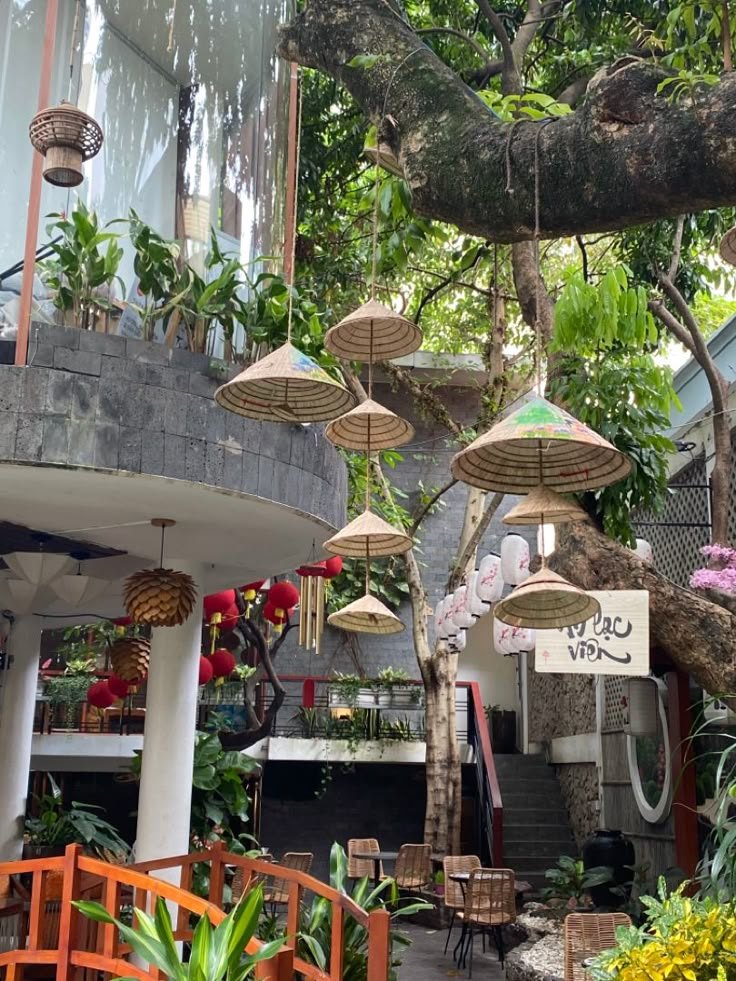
point(454, 892)
point(278, 892)
point(362, 868)
point(243, 881)
point(587, 934)
point(413, 866)
point(490, 903)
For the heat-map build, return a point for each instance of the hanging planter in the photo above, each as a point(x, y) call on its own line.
point(65, 137)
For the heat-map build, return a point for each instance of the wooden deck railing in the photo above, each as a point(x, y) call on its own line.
point(54, 933)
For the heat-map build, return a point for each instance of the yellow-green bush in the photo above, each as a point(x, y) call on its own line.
point(683, 939)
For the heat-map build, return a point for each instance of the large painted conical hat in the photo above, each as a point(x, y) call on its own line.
point(540, 443)
point(373, 332)
point(368, 533)
point(545, 601)
point(366, 615)
point(369, 426)
point(542, 506)
point(285, 386)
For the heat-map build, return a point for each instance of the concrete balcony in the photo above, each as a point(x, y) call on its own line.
point(99, 430)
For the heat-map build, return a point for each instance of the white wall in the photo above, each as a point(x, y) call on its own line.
point(496, 675)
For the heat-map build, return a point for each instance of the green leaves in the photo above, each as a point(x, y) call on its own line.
point(217, 953)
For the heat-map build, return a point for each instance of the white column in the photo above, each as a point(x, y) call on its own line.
point(165, 796)
point(17, 706)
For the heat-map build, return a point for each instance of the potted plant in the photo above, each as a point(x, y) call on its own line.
point(350, 691)
point(55, 827)
point(571, 883)
point(393, 690)
point(439, 883)
point(64, 692)
point(83, 268)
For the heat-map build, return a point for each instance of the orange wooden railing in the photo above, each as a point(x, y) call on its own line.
point(56, 933)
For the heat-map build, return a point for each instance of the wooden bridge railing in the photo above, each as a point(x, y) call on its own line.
point(56, 934)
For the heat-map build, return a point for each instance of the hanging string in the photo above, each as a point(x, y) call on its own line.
point(161, 560)
point(292, 244)
point(538, 271)
point(72, 47)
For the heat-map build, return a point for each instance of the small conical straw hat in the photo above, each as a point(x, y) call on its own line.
point(545, 601)
point(543, 506)
point(540, 444)
point(285, 386)
point(369, 426)
point(373, 332)
point(366, 533)
point(728, 247)
point(385, 157)
point(366, 615)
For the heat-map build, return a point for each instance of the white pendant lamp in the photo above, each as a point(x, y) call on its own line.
point(77, 590)
point(502, 637)
point(515, 558)
point(461, 614)
point(21, 597)
point(477, 606)
point(39, 567)
point(489, 584)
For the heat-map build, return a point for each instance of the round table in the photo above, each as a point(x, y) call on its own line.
point(376, 858)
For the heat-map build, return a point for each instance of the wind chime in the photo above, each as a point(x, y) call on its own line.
point(286, 385)
point(313, 577)
point(371, 333)
point(540, 450)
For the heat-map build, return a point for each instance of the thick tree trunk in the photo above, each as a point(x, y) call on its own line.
point(699, 636)
point(444, 781)
point(627, 156)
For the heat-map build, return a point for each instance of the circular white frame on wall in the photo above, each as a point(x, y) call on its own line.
point(661, 811)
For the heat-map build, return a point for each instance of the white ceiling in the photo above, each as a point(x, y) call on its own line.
point(236, 538)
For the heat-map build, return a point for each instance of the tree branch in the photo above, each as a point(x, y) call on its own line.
point(626, 156)
point(478, 48)
point(473, 542)
point(425, 399)
point(428, 505)
point(511, 80)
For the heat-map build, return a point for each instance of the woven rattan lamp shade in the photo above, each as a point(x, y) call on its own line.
point(129, 657)
point(285, 386)
point(159, 597)
point(366, 615)
point(369, 426)
point(545, 601)
point(728, 247)
point(65, 136)
point(543, 506)
point(368, 533)
point(373, 332)
point(540, 443)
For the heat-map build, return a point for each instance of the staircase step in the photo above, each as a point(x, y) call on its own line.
point(519, 831)
point(531, 797)
point(538, 853)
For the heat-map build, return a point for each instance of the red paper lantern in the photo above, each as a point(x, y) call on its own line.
point(123, 621)
point(222, 663)
point(283, 595)
point(205, 670)
point(251, 589)
point(218, 603)
point(333, 566)
point(230, 618)
point(99, 695)
point(118, 686)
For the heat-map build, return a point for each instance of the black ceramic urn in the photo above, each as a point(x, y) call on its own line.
point(613, 849)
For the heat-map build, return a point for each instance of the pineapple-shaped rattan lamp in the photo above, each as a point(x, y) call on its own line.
point(160, 597)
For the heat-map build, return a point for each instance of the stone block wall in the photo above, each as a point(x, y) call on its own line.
point(115, 403)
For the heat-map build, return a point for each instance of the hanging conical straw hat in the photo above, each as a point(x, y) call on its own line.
point(728, 247)
point(366, 615)
point(540, 443)
point(373, 332)
point(369, 426)
point(545, 601)
point(543, 506)
point(368, 532)
point(385, 157)
point(285, 386)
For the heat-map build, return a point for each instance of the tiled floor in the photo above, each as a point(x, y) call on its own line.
point(424, 961)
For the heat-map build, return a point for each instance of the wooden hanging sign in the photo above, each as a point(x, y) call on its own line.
point(614, 641)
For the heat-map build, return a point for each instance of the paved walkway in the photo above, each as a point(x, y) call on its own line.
point(424, 961)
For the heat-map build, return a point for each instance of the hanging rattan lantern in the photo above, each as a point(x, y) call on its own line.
point(285, 386)
point(160, 597)
point(373, 332)
point(66, 137)
point(543, 506)
point(366, 615)
point(545, 601)
point(369, 426)
point(540, 444)
point(129, 657)
point(368, 534)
